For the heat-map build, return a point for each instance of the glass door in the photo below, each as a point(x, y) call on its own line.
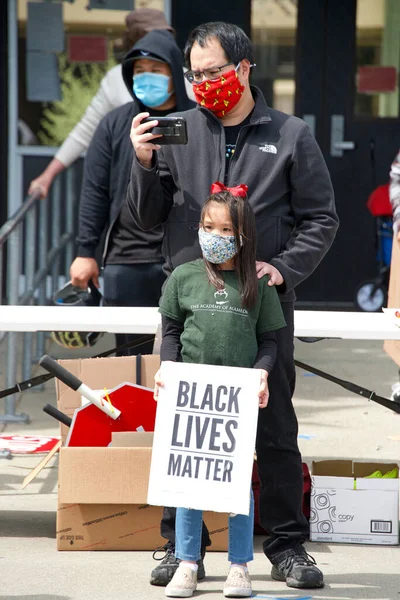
point(273, 33)
point(347, 86)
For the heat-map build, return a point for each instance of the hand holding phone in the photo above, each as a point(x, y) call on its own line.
point(172, 129)
point(143, 141)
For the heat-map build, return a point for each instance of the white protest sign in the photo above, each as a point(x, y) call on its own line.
point(204, 438)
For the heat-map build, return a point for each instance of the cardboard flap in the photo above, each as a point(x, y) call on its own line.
point(332, 482)
point(149, 367)
point(104, 475)
point(100, 373)
point(333, 468)
point(363, 469)
point(380, 483)
point(97, 373)
point(132, 439)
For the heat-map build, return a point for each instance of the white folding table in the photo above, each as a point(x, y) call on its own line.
point(144, 320)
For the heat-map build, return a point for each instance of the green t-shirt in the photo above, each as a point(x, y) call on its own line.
point(217, 329)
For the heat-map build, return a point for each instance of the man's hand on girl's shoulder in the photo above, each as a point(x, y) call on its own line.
point(263, 268)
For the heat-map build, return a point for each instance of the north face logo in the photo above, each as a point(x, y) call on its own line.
point(268, 148)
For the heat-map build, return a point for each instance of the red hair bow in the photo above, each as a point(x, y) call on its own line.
point(239, 190)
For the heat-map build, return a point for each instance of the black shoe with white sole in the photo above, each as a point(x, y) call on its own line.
point(297, 568)
point(165, 571)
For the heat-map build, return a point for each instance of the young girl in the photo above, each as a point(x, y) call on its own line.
point(215, 311)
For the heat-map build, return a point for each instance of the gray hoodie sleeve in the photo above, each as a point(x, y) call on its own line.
point(150, 192)
point(111, 94)
point(313, 206)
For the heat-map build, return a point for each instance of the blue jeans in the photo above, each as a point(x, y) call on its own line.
point(188, 534)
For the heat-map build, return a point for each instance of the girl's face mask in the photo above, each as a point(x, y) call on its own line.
point(151, 88)
point(220, 95)
point(217, 249)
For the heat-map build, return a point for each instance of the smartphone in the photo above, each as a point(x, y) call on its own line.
point(172, 129)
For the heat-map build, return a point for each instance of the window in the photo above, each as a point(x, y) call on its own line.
point(377, 57)
point(273, 33)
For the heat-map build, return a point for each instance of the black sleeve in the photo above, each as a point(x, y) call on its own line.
point(171, 339)
point(150, 192)
point(94, 207)
point(266, 354)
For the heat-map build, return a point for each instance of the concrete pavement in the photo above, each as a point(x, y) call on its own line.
point(333, 424)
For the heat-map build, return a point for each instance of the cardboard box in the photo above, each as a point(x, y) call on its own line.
point(103, 499)
point(108, 527)
point(98, 373)
point(129, 439)
point(349, 507)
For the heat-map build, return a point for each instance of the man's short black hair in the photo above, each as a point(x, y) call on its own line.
point(232, 38)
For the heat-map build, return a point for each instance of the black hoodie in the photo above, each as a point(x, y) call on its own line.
point(107, 168)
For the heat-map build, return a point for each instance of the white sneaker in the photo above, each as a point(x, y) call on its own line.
point(237, 584)
point(183, 583)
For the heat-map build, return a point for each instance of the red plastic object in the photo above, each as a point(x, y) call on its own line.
point(27, 444)
point(92, 427)
point(379, 202)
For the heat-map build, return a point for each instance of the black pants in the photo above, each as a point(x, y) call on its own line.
point(278, 457)
point(133, 285)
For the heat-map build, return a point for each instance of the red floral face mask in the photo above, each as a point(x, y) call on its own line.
point(219, 95)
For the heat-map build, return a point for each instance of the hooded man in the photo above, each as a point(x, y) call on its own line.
point(133, 276)
point(111, 94)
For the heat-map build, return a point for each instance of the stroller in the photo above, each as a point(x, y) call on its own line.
point(371, 295)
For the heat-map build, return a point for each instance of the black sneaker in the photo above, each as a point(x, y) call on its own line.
point(165, 571)
point(297, 568)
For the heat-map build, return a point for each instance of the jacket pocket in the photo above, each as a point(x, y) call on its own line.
point(269, 238)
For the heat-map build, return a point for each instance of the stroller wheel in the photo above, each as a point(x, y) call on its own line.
point(370, 296)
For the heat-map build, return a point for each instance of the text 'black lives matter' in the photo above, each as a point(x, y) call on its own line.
point(203, 438)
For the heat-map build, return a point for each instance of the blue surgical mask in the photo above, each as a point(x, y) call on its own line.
point(151, 88)
point(217, 249)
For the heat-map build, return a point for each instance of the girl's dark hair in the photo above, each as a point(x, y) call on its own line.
point(244, 227)
point(235, 43)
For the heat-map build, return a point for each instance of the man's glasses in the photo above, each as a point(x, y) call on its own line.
point(212, 73)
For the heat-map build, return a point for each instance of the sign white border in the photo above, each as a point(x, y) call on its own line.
point(204, 439)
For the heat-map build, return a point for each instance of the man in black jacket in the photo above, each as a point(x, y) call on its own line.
point(235, 138)
point(133, 275)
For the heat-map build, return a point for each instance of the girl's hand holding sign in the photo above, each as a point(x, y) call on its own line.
point(158, 381)
point(264, 392)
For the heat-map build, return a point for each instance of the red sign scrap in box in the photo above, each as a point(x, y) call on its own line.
point(376, 80)
point(28, 444)
point(93, 427)
point(87, 48)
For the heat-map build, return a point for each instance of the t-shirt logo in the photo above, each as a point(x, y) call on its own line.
point(221, 296)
